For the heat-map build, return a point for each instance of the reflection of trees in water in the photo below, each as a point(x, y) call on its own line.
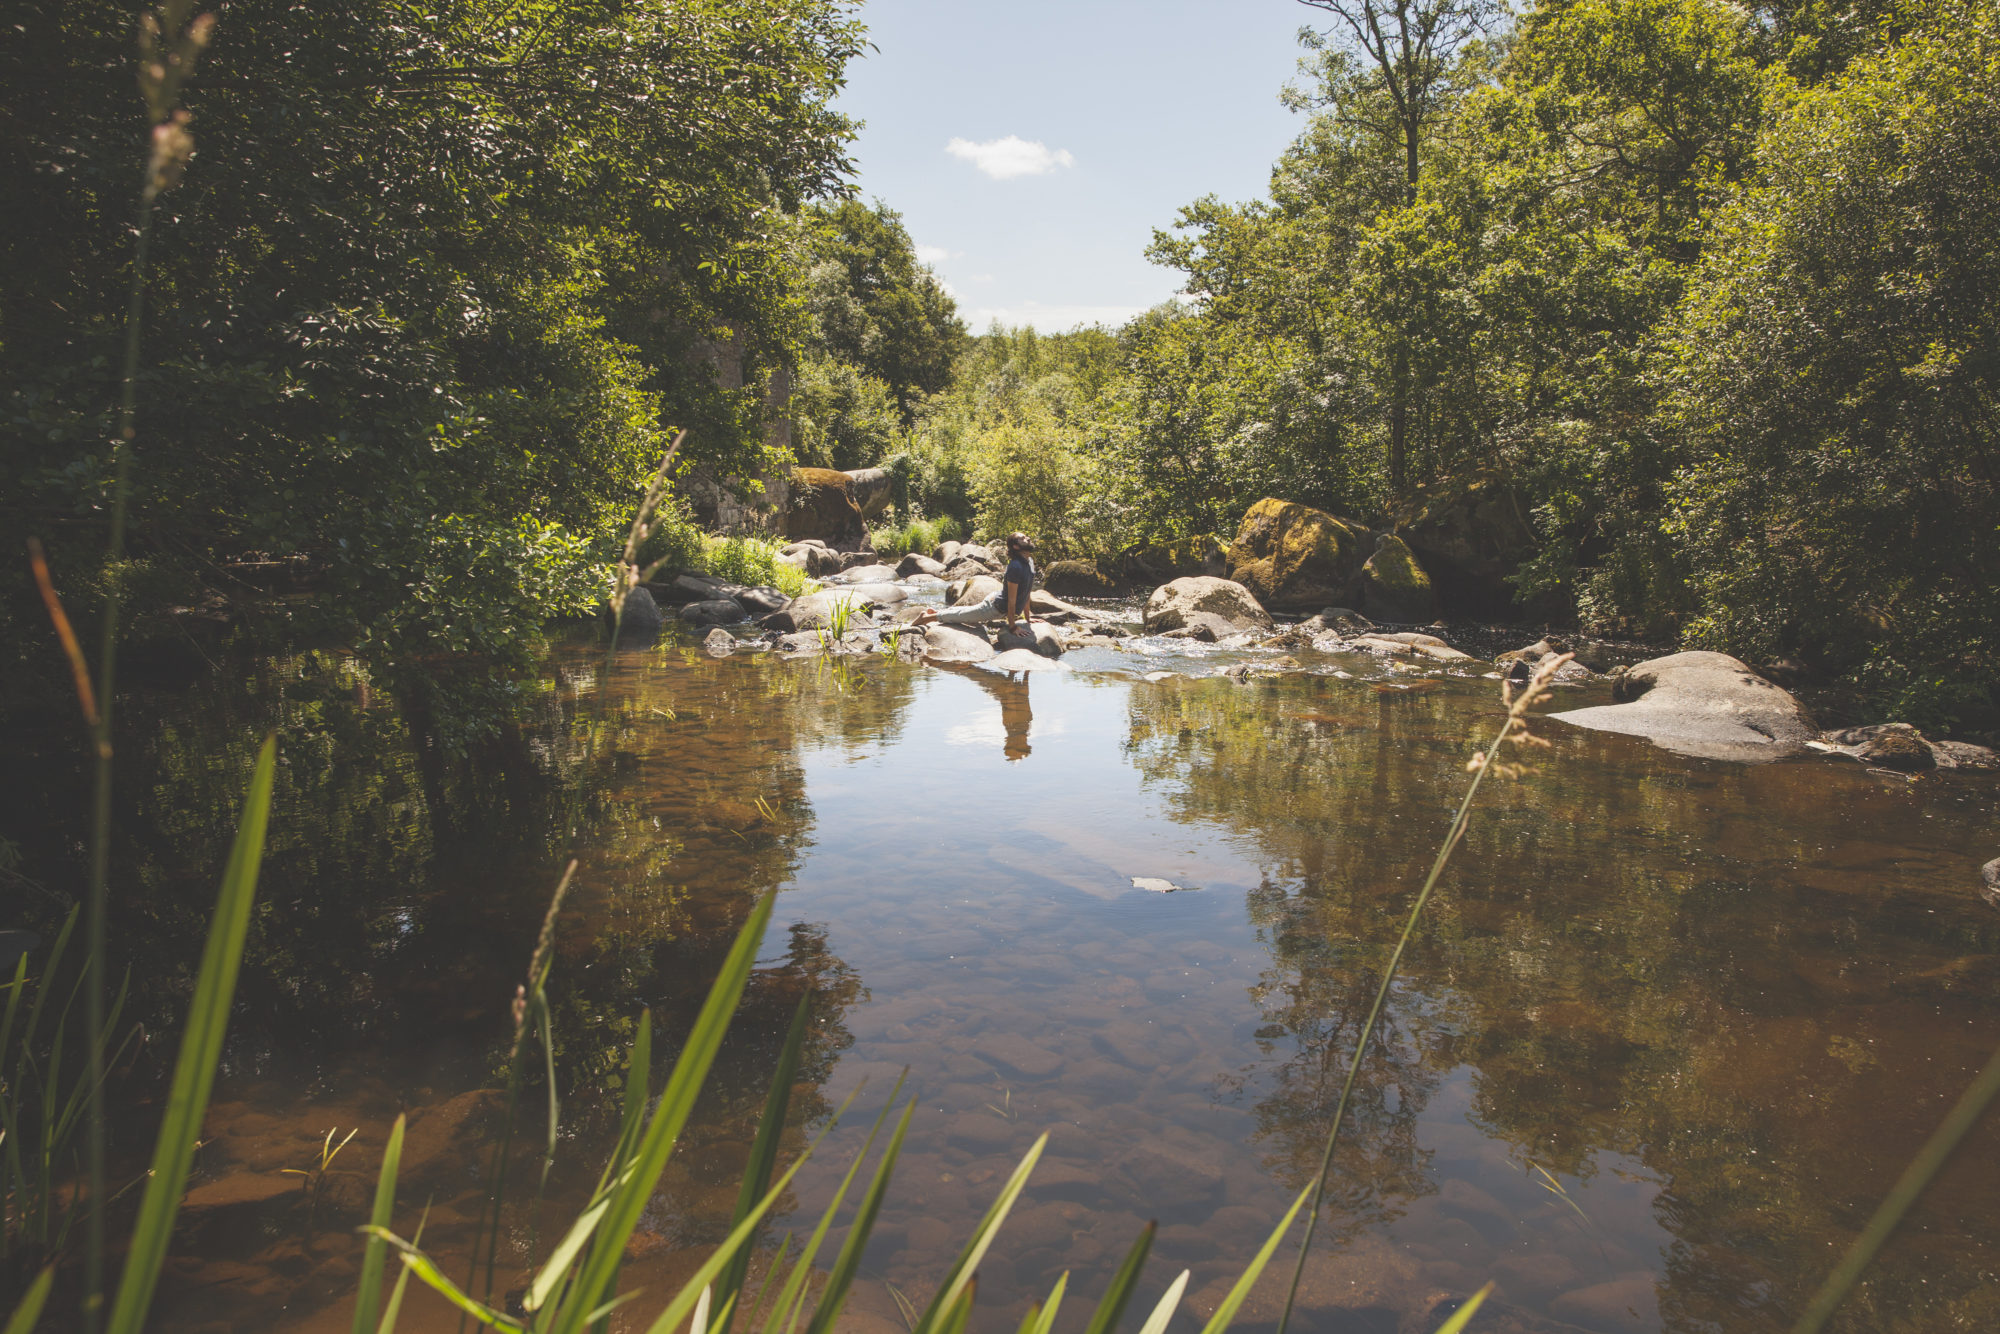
point(1751, 979)
point(407, 872)
point(1314, 999)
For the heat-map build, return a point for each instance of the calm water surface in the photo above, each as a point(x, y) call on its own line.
point(1669, 1032)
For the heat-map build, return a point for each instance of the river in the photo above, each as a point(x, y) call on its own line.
point(1669, 1031)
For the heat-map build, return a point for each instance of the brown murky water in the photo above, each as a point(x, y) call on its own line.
point(1670, 1030)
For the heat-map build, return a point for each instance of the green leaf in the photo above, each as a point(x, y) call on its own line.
point(1227, 1311)
point(982, 1237)
point(368, 1295)
point(201, 1051)
point(1112, 1305)
point(845, 1266)
point(676, 1102)
point(1463, 1315)
point(30, 1310)
point(1163, 1310)
point(764, 1149)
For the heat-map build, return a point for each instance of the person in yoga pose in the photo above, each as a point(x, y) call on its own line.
point(1009, 603)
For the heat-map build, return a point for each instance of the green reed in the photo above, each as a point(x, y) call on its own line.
point(45, 1092)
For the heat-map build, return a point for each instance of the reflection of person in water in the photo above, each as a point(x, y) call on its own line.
point(1015, 715)
point(1010, 602)
point(1012, 692)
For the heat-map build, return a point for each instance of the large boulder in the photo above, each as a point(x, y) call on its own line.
point(815, 611)
point(1172, 604)
point(976, 589)
point(1393, 586)
point(823, 507)
point(718, 611)
point(871, 573)
point(761, 601)
point(1471, 533)
point(1034, 636)
point(642, 615)
point(1160, 562)
point(956, 643)
point(1079, 579)
point(688, 586)
point(964, 567)
point(946, 552)
point(1704, 704)
point(871, 489)
point(917, 563)
point(1292, 555)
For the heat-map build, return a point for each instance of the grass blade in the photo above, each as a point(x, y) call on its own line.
point(368, 1296)
point(201, 1051)
point(1041, 1319)
point(848, 1263)
point(791, 1299)
point(1930, 1160)
point(1227, 1311)
point(961, 1309)
point(650, 1157)
point(394, 1309)
point(982, 1237)
point(1163, 1310)
point(764, 1149)
point(30, 1310)
point(1463, 1315)
point(683, 1302)
point(1112, 1305)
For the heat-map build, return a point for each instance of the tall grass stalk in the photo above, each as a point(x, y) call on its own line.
point(1512, 729)
point(170, 42)
point(1930, 1160)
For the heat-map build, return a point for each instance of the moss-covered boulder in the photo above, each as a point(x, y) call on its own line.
point(1079, 579)
point(1292, 555)
point(823, 508)
point(1182, 558)
point(1394, 586)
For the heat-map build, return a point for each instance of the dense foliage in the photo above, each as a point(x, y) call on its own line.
point(1709, 293)
point(437, 284)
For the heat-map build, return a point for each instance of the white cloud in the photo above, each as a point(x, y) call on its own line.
point(1049, 318)
point(1004, 159)
point(934, 254)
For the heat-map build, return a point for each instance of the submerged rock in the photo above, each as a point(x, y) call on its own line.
point(1414, 643)
point(1174, 605)
point(1989, 876)
point(1708, 705)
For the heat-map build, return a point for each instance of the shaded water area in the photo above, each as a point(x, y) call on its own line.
point(1669, 1032)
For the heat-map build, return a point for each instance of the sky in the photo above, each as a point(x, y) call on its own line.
point(1033, 146)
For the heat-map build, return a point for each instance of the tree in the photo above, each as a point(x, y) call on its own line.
point(1413, 46)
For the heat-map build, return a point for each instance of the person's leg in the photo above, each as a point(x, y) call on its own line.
point(992, 609)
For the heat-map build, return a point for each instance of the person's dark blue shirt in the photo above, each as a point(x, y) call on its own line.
point(1020, 570)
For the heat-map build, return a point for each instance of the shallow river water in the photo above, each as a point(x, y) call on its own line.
point(1668, 1033)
